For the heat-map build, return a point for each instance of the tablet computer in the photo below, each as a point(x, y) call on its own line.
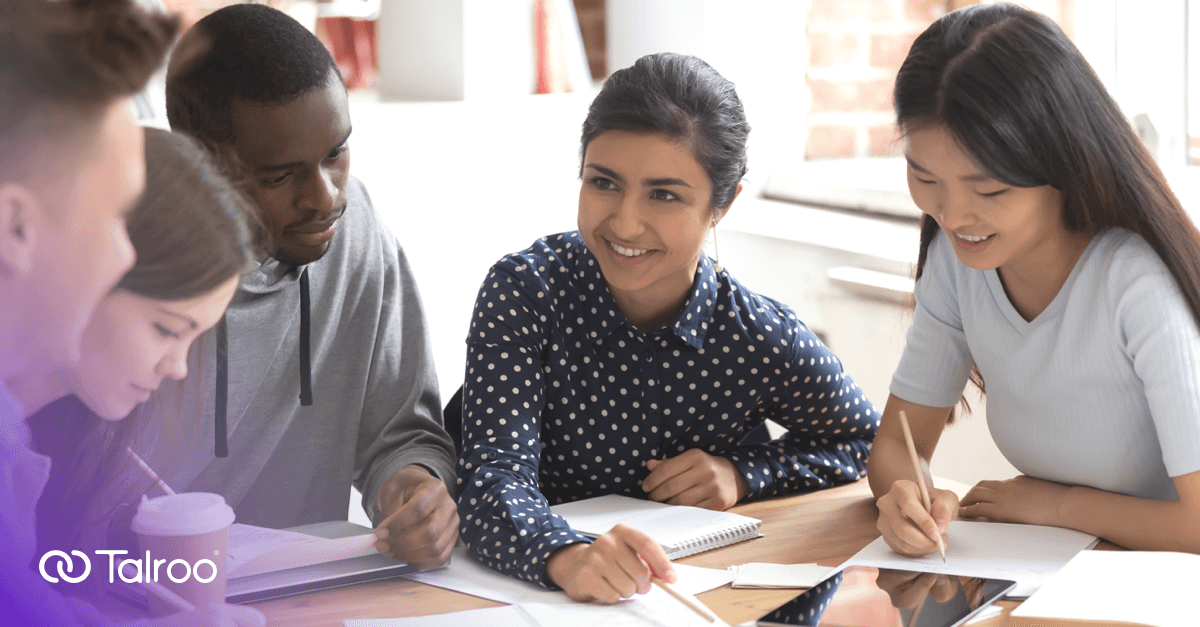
point(861, 596)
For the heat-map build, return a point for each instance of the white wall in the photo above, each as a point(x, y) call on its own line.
point(455, 49)
point(421, 50)
point(757, 44)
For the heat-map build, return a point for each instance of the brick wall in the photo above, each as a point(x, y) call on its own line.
point(855, 50)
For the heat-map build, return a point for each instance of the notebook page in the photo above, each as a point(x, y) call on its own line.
point(669, 525)
point(596, 516)
point(256, 550)
point(1027, 554)
point(1142, 587)
point(247, 542)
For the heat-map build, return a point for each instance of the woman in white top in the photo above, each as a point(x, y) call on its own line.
point(1057, 266)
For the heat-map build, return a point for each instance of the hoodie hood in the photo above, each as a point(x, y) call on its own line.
point(271, 276)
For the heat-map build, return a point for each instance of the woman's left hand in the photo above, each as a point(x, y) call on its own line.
point(695, 478)
point(1018, 500)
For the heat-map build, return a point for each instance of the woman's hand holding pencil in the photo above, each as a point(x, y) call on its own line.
point(913, 517)
point(617, 565)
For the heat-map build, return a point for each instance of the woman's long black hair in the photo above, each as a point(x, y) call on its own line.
point(1022, 102)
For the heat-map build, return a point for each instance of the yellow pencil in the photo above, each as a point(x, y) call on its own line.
point(916, 461)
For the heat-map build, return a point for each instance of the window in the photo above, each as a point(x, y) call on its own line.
point(1147, 52)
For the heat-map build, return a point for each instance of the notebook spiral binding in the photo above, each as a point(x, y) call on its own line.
point(726, 537)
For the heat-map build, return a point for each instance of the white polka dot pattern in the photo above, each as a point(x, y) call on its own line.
point(564, 399)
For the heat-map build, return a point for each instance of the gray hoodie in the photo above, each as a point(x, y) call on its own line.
point(375, 405)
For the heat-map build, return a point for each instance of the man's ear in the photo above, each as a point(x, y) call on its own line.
point(19, 208)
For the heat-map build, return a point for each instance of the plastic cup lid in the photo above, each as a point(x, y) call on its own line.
point(187, 514)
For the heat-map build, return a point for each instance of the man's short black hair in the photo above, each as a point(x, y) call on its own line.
point(243, 52)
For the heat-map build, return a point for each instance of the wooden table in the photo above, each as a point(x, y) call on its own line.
point(826, 527)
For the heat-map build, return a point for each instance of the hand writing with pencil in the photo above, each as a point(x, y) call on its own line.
point(907, 526)
point(1018, 500)
point(695, 478)
point(420, 525)
point(913, 514)
point(617, 565)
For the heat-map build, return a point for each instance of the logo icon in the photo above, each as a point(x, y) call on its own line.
point(64, 558)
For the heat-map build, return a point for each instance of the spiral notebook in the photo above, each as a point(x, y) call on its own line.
point(681, 530)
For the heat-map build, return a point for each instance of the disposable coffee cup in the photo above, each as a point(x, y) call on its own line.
point(184, 540)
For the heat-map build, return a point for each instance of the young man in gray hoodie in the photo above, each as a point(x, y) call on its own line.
point(321, 375)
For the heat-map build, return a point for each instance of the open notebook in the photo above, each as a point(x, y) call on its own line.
point(681, 530)
point(272, 563)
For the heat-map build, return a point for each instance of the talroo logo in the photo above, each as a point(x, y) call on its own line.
point(64, 558)
point(129, 570)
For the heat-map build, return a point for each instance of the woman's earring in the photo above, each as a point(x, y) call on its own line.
point(716, 250)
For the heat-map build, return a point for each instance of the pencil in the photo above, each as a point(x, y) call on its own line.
point(150, 471)
point(170, 598)
point(916, 461)
point(687, 600)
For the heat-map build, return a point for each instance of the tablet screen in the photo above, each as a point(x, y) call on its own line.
point(861, 596)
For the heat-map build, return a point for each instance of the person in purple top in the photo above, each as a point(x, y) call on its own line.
point(71, 168)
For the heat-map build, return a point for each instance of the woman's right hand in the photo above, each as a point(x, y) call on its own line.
point(216, 615)
point(616, 565)
point(904, 523)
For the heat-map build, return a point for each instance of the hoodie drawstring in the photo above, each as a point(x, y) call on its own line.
point(220, 434)
point(305, 366)
point(222, 396)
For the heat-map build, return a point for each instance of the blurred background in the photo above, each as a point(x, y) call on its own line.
point(467, 115)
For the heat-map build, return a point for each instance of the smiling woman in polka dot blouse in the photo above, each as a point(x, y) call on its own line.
point(618, 359)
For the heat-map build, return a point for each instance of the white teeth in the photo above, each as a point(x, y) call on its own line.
point(628, 252)
point(968, 238)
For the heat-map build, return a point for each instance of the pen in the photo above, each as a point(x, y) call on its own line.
point(150, 471)
point(916, 461)
point(687, 600)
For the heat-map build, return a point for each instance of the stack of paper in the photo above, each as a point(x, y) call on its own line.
point(770, 576)
point(1127, 587)
point(257, 550)
point(1027, 554)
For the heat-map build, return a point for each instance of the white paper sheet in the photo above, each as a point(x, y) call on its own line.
point(1027, 554)
point(1139, 587)
point(653, 609)
point(468, 575)
point(763, 575)
point(506, 616)
point(256, 550)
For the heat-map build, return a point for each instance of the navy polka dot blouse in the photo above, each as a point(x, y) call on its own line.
point(564, 399)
